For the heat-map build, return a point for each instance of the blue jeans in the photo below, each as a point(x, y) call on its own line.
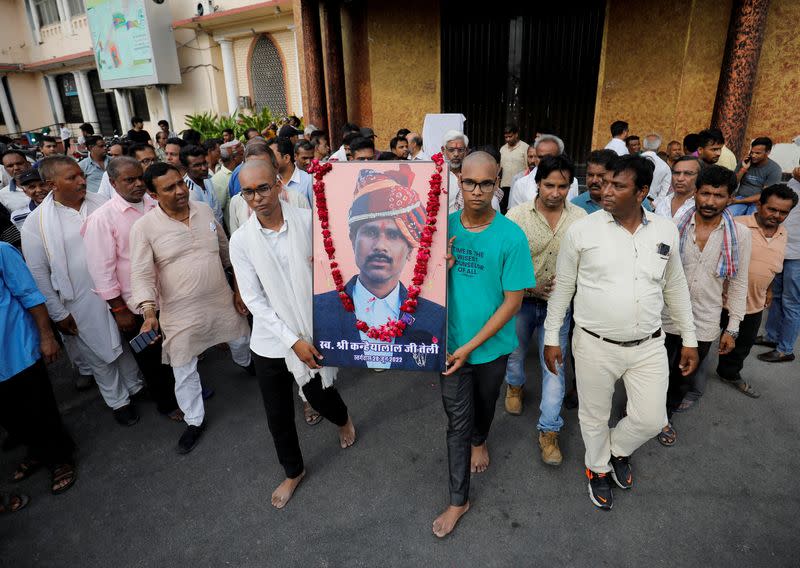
point(530, 318)
point(783, 322)
point(737, 209)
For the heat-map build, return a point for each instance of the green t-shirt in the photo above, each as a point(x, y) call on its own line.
point(487, 263)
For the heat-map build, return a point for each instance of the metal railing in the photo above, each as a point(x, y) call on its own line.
point(32, 136)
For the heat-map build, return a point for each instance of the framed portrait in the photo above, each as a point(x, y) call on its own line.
point(380, 274)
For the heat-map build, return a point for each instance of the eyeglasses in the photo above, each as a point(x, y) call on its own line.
point(263, 190)
point(455, 150)
point(147, 162)
point(687, 174)
point(469, 185)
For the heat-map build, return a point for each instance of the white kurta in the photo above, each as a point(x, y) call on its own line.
point(275, 280)
point(96, 326)
point(105, 189)
point(618, 145)
point(662, 175)
point(13, 200)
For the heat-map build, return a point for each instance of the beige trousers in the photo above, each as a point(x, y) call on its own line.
point(644, 369)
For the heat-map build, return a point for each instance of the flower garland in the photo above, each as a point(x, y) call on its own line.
point(394, 327)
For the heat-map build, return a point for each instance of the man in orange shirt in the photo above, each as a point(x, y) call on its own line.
point(766, 260)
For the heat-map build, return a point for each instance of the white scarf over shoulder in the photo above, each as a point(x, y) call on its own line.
point(52, 234)
point(291, 294)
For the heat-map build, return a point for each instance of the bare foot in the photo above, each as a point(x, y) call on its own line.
point(480, 459)
point(444, 524)
point(285, 490)
point(347, 434)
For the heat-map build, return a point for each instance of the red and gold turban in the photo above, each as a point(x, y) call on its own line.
point(382, 195)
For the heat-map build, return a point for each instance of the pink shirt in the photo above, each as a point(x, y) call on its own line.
point(106, 233)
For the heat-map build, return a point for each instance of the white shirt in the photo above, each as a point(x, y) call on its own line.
point(13, 200)
point(96, 326)
point(792, 226)
point(663, 206)
point(340, 154)
point(525, 190)
point(65, 133)
point(302, 183)
point(420, 156)
point(271, 336)
point(18, 216)
point(376, 311)
point(618, 146)
point(706, 288)
point(619, 280)
point(519, 176)
point(105, 189)
point(662, 175)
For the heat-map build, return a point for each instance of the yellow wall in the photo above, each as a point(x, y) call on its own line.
point(404, 65)
point(669, 84)
point(660, 78)
point(776, 98)
point(30, 99)
point(201, 88)
point(17, 37)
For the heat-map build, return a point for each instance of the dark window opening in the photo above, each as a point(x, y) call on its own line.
point(68, 93)
point(139, 103)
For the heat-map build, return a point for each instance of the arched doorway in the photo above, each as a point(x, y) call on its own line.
point(267, 77)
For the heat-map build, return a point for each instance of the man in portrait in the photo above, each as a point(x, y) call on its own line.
point(385, 221)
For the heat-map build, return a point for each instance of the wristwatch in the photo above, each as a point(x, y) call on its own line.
point(734, 334)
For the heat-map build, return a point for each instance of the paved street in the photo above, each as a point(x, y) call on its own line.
point(723, 496)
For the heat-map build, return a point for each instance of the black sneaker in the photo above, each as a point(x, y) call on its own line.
point(126, 415)
point(621, 472)
point(189, 439)
point(600, 490)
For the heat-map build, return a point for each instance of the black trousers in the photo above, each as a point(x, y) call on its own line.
point(28, 411)
point(730, 365)
point(158, 377)
point(469, 398)
point(678, 384)
point(277, 390)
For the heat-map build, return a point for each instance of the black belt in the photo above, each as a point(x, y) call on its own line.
point(633, 343)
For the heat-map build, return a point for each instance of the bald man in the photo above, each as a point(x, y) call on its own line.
point(489, 269)
point(415, 147)
point(271, 255)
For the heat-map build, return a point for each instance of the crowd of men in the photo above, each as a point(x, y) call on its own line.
point(143, 255)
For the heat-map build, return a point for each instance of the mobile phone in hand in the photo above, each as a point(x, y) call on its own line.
point(142, 340)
